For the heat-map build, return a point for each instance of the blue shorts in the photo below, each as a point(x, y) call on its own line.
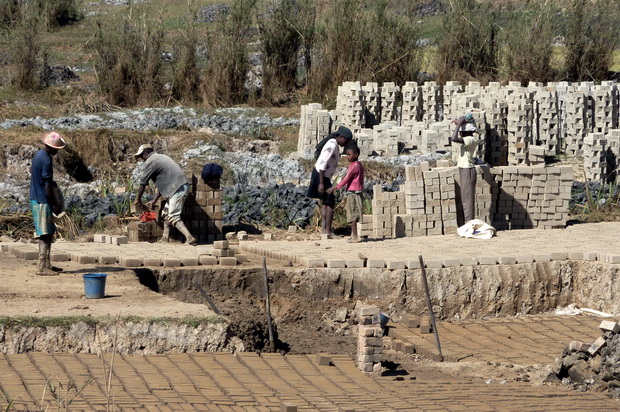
point(43, 218)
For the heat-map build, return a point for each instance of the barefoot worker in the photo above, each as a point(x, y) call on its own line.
point(171, 184)
point(43, 202)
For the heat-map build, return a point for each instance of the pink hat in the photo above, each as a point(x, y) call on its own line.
point(54, 140)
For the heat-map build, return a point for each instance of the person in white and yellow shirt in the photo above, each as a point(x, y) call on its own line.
point(466, 127)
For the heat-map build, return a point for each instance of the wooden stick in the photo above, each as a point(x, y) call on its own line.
point(430, 308)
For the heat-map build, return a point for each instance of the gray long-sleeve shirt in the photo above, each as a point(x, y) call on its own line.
point(165, 172)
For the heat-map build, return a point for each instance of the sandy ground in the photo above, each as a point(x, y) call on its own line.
point(22, 293)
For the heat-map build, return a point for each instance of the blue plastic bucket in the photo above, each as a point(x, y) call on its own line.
point(94, 285)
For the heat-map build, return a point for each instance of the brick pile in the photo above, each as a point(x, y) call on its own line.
point(519, 127)
point(496, 109)
point(372, 104)
point(546, 131)
point(412, 103)
point(385, 205)
point(595, 157)
point(350, 106)
point(431, 101)
point(593, 365)
point(603, 105)
point(575, 120)
point(369, 341)
point(202, 211)
point(315, 124)
point(390, 93)
point(450, 91)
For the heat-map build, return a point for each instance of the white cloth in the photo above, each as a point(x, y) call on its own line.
point(328, 160)
point(476, 229)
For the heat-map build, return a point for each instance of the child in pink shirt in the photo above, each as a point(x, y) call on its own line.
point(354, 182)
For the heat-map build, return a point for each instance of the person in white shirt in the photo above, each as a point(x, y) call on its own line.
point(467, 172)
point(324, 169)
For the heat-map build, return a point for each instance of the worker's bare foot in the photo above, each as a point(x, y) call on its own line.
point(353, 240)
point(46, 272)
point(163, 240)
point(191, 241)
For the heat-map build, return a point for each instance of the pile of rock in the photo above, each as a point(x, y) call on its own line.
point(591, 366)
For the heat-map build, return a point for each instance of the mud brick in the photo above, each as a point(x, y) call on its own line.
point(84, 259)
point(354, 263)
point(189, 261)
point(575, 346)
point(413, 264)
point(597, 345)
point(369, 358)
point(220, 244)
point(313, 262)
point(368, 310)
point(590, 256)
point(5, 247)
point(434, 264)
point(267, 236)
point(411, 322)
point(231, 253)
point(207, 260)
point(525, 258)
point(62, 257)
point(609, 326)
point(242, 258)
point(451, 263)
point(398, 345)
point(228, 261)
point(27, 254)
point(292, 229)
point(99, 238)
point(507, 260)
point(408, 347)
point(170, 262)
point(375, 263)
point(221, 252)
point(119, 240)
point(426, 328)
point(152, 261)
point(542, 257)
point(576, 255)
point(613, 259)
point(395, 264)
point(323, 360)
point(336, 263)
point(558, 255)
point(469, 261)
point(130, 261)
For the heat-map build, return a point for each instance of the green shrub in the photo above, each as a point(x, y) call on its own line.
point(468, 46)
point(591, 36)
point(186, 82)
point(53, 13)
point(227, 61)
point(370, 44)
point(527, 40)
point(128, 61)
point(29, 62)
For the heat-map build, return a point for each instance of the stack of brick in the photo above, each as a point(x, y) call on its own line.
point(369, 341)
point(431, 101)
point(486, 193)
point(350, 104)
point(536, 155)
point(225, 254)
point(385, 139)
point(496, 110)
point(575, 120)
point(549, 196)
point(202, 212)
point(144, 231)
point(443, 132)
point(615, 96)
point(473, 88)
point(602, 100)
point(450, 92)
point(586, 88)
point(372, 104)
point(315, 124)
point(389, 98)
point(513, 198)
point(613, 153)
point(519, 127)
point(365, 226)
point(595, 157)
point(546, 131)
point(412, 137)
point(432, 204)
point(413, 223)
point(365, 142)
point(384, 206)
point(411, 107)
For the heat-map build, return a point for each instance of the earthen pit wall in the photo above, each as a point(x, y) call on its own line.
point(465, 292)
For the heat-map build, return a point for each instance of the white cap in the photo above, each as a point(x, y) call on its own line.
point(141, 149)
point(468, 127)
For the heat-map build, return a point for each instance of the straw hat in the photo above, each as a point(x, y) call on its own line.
point(54, 140)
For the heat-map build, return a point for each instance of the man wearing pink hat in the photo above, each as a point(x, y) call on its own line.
point(43, 203)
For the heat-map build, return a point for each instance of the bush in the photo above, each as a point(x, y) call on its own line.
point(54, 13)
point(186, 82)
point(591, 35)
point(527, 42)
point(128, 61)
point(285, 30)
point(369, 44)
point(468, 47)
point(28, 61)
point(227, 61)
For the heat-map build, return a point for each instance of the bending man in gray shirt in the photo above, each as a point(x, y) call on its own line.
point(171, 184)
